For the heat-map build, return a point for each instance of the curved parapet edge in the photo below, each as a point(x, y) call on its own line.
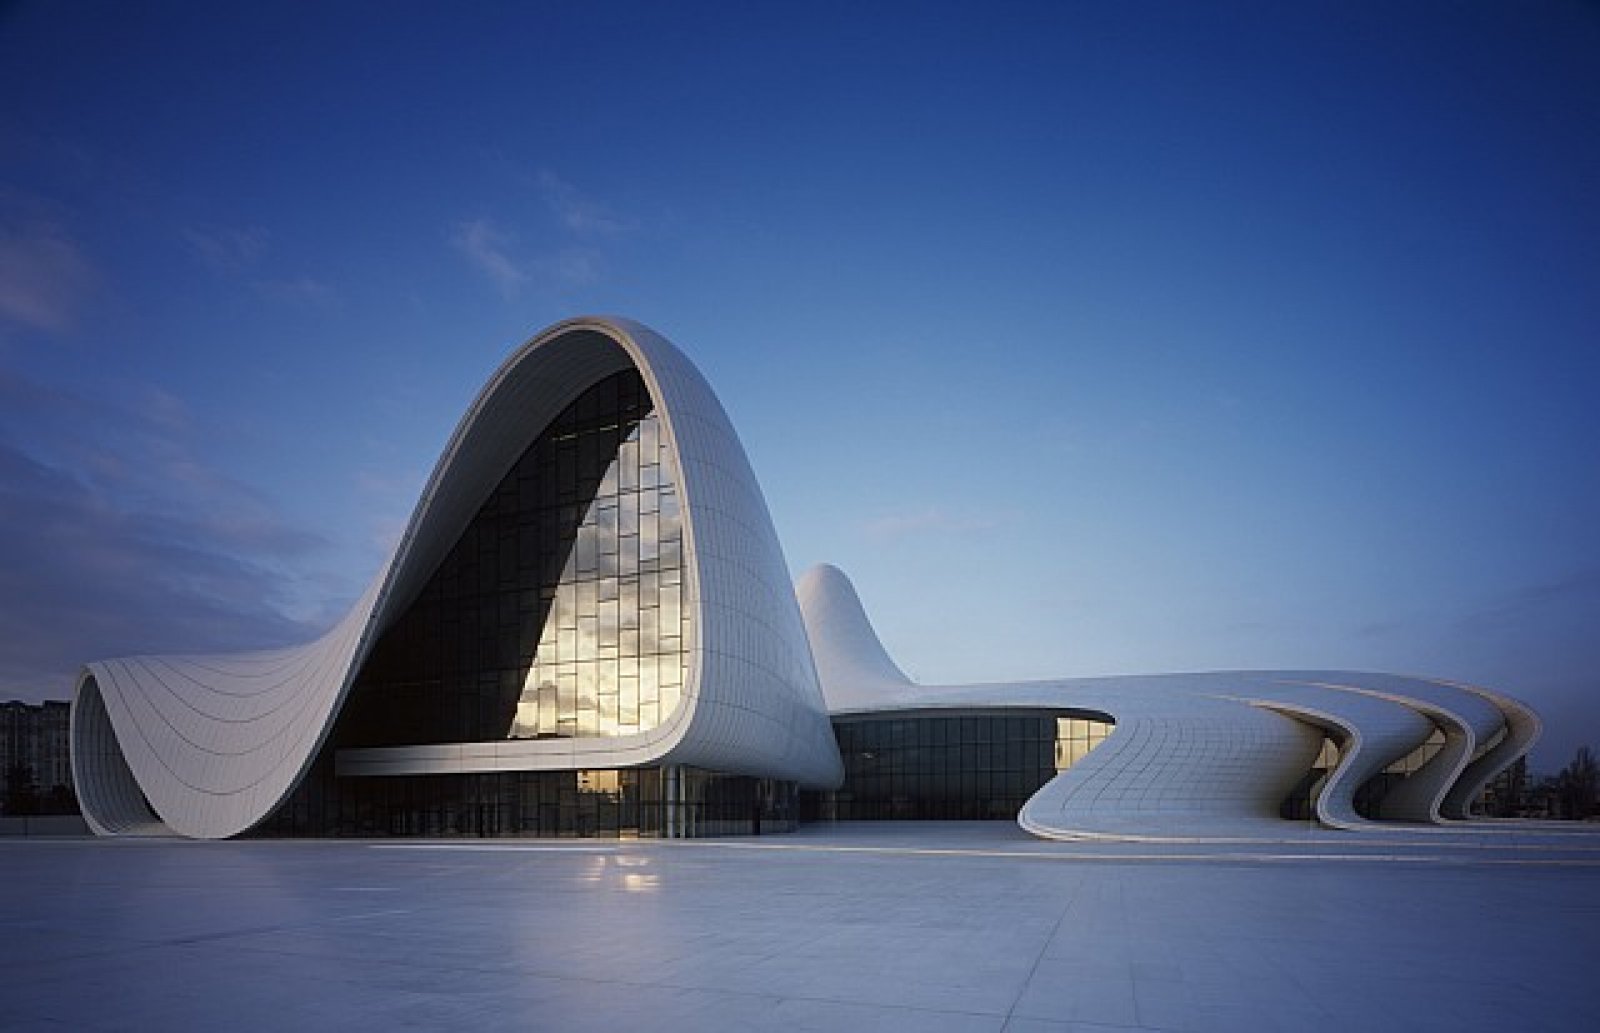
point(108, 794)
point(1177, 769)
point(758, 704)
point(1523, 728)
point(1334, 802)
point(1417, 797)
point(1484, 733)
point(215, 744)
point(1420, 796)
point(210, 741)
point(1365, 750)
point(1185, 761)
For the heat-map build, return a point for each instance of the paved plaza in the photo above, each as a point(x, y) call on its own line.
point(870, 927)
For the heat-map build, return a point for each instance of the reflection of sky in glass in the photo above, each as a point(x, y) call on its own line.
point(611, 655)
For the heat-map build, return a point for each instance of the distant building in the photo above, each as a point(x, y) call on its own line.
point(1509, 794)
point(35, 764)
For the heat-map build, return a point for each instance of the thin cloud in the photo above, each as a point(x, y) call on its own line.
point(236, 253)
point(386, 534)
point(579, 214)
point(1577, 592)
point(491, 250)
point(389, 484)
point(930, 521)
point(388, 496)
point(162, 409)
point(572, 267)
point(44, 276)
point(226, 249)
point(116, 537)
point(570, 249)
point(88, 577)
point(488, 247)
point(300, 290)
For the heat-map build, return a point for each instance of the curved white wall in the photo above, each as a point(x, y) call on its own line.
point(1202, 756)
point(216, 743)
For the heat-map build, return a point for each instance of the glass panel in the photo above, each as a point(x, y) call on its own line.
point(542, 587)
point(977, 765)
point(620, 527)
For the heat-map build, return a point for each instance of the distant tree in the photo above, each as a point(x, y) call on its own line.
point(1544, 799)
point(1579, 784)
point(1516, 787)
point(1507, 794)
point(22, 793)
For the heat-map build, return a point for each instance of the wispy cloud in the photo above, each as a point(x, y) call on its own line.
point(932, 520)
point(161, 409)
point(388, 497)
point(571, 267)
point(579, 214)
point(226, 249)
point(388, 484)
point(299, 290)
point(240, 254)
point(494, 252)
point(489, 248)
point(566, 252)
point(44, 276)
point(1577, 592)
point(116, 536)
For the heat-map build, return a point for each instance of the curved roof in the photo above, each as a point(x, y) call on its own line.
point(216, 743)
point(1204, 755)
point(211, 745)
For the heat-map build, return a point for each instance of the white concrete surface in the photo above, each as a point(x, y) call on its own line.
point(865, 927)
point(1205, 755)
point(216, 743)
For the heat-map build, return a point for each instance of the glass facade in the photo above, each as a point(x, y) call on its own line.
point(645, 802)
point(939, 765)
point(561, 610)
point(560, 613)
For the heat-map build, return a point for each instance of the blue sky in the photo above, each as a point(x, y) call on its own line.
point(1086, 338)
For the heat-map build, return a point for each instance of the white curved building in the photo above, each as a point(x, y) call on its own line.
point(589, 584)
point(588, 627)
point(1173, 756)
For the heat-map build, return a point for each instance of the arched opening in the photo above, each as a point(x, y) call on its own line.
point(108, 794)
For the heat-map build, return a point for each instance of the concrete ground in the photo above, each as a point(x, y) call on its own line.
point(917, 927)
